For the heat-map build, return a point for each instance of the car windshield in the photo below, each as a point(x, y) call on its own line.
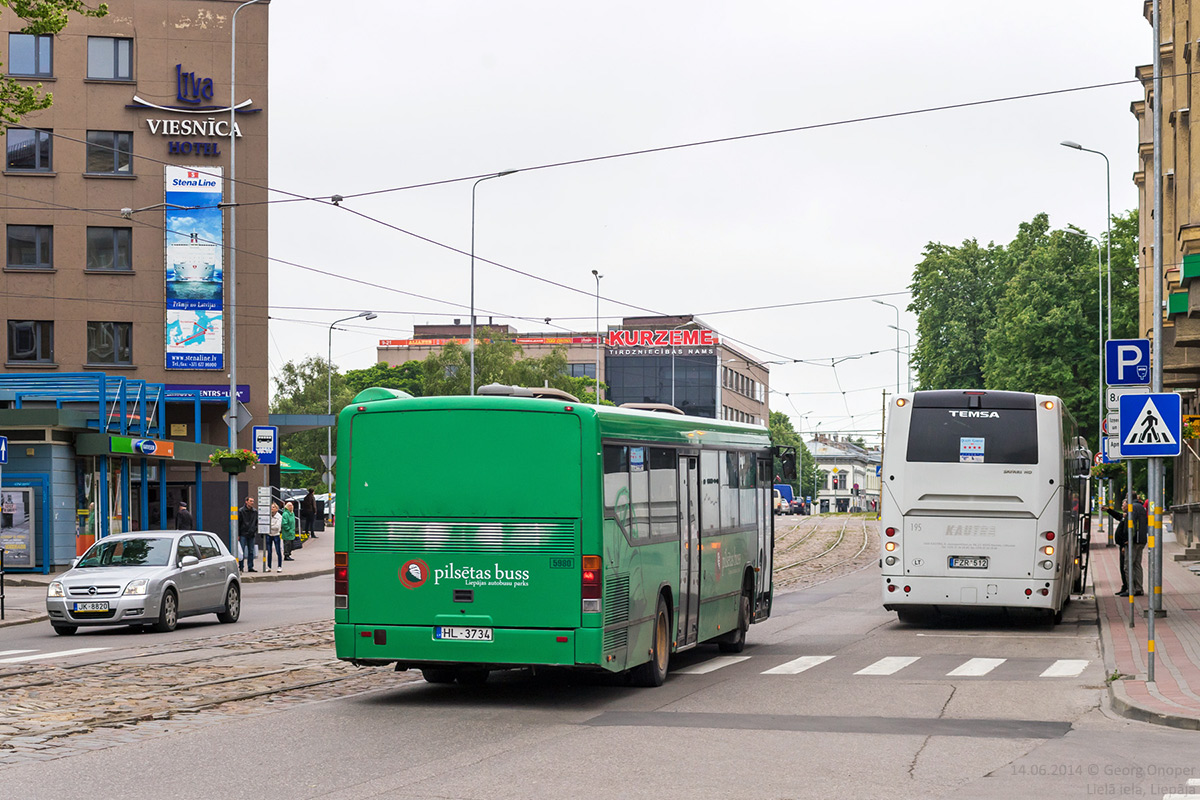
point(142, 552)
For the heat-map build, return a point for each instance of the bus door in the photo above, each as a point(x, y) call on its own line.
point(766, 542)
point(689, 551)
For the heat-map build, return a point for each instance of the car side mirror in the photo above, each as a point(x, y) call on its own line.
point(188, 561)
point(75, 561)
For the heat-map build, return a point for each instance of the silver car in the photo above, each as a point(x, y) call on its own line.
point(146, 578)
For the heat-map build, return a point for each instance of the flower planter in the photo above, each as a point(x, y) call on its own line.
point(234, 466)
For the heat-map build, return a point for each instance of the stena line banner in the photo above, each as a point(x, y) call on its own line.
point(195, 274)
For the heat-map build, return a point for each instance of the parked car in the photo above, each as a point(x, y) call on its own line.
point(149, 578)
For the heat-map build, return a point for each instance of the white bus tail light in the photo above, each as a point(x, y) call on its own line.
point(1048, 549)
point(889, 546)
point(1048, 405)
point(591, 583)
point(891, 561)
point(1049, 536)
point(1047, 564)
point(902, 401)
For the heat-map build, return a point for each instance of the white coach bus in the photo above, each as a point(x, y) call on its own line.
point(984, 503)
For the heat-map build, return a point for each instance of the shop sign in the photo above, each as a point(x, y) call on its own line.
point(19, 525)
point(194, 94)
point(125, 445)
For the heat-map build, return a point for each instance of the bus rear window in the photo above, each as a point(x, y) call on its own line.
point(951, 435)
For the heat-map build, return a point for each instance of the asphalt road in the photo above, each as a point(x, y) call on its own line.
point(831, 698)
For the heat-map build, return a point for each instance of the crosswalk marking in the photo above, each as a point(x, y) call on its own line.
point(798, 665)
point(1065, 668)
point(712, 665)
point(13, 652)
point(975, 667)
point(889, 665)
point(59, 654)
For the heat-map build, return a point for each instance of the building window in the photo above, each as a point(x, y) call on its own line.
point(30, 341)
point(110, 152)
point(28, 150)
point(582, 370)
point(30, 54)
point(110, 59)
point(109, 248)
point(29, 247)
point(110, 343)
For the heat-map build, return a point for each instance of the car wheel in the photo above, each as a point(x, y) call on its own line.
point(168, 614)
point(233, 604)
point(65, 630)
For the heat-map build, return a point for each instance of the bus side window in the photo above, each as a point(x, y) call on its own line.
point(749, 509)
point(616, 485)
point(639, 494)
point(729, 490)
point(664, 493)
point(710, 502)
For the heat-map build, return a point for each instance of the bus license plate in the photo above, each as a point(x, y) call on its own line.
point(969, 562)
point(463, 634)
point(91, 607)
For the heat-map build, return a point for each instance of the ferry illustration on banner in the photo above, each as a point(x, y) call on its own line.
point(193, 262)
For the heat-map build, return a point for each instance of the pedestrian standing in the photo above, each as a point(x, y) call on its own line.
point(1120, 538)
point(273, 538)
point(308, 513)
point(183, 519)
point(1138, 522)
point(247, 529)
point(287, 531)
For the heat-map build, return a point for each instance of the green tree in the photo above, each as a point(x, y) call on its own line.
point(406, 377)
point(300, 388)
point(954, 293)
point(783, 434)
point(41, 17)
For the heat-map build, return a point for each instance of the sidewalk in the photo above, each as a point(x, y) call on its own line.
point(25, 593)
point(1174, 697)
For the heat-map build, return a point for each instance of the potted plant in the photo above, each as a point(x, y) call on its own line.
point(233, 461)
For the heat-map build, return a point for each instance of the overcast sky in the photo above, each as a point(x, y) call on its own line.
point(399, 93)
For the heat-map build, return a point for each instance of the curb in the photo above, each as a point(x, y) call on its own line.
point(1121, 704)
point(262, 577)
point(8, 623)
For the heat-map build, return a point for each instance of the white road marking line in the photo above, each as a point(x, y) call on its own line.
point(13, 652)
point(1193, 782)
point(712, 665)
point(1065, 668)
point(59, 654)
point(798, 665)
point(889, 665)
point(975, 667)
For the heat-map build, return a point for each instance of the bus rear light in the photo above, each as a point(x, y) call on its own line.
point(1044, 592)
point(907, 589)
point(1048, 405)
point(891, 587)
point(1029, 592)
point(901, 401)
point(560, 638)
point(591, 583)
point(1048, 549)
point(341, 576)
point(889, 546)
point(1049, 536)
point(1047, 564)
point(891, 561)
point(890, 532)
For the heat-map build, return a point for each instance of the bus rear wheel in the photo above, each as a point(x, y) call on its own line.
point(735, 642)
point(654, 671)
point(439, 675)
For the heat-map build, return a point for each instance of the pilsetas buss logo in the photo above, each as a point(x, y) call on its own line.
point(414, 573)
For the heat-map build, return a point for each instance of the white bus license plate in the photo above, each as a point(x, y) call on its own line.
point(968, 562)
point(463, 634)
point(91, 607)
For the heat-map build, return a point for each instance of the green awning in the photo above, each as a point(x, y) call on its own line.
point(287, 465)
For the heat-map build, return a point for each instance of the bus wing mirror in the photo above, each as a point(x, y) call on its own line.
point(787, 461)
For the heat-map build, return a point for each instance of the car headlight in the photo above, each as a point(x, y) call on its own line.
point(55, 590)
point(137, 587)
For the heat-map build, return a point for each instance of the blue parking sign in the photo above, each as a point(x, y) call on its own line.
point(1127, 362)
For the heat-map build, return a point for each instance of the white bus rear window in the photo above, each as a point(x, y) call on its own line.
point(952, 435)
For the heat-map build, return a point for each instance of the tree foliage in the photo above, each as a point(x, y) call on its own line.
point(1025, 316)
point(41, 17)
point(783, 434)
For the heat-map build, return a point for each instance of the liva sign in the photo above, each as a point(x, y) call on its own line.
point(668, 338)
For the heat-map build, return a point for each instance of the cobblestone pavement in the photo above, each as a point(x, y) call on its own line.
point(52, 711)
point(815, 549)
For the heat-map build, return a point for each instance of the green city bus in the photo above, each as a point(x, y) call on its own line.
point(506, 531)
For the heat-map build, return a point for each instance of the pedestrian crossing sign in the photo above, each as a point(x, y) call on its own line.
point(1151, 425)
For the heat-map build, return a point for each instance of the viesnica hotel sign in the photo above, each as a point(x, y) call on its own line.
point(186, 136)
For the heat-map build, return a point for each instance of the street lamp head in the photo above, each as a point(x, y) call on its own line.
point(507, 172)
point(368, 315)
point(1072, 145)
point(597, 274)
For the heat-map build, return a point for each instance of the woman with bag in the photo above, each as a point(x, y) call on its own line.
point(287, 531)
point(273, 537)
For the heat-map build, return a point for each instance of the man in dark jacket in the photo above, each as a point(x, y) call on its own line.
point(1138, 523)
point(247, 530)
point(1120, 538)
point(183, 519)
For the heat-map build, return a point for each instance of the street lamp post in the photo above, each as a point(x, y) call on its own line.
point(329, 393)
point(231, 312)
point(598, 277)
point(1099, 344)
point(908, 352)
point(472, 343)
point(897, 326)
point(1107, 219)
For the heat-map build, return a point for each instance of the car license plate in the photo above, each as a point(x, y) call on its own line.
point(968, 562)
point(463, 634)
point(84, 607)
